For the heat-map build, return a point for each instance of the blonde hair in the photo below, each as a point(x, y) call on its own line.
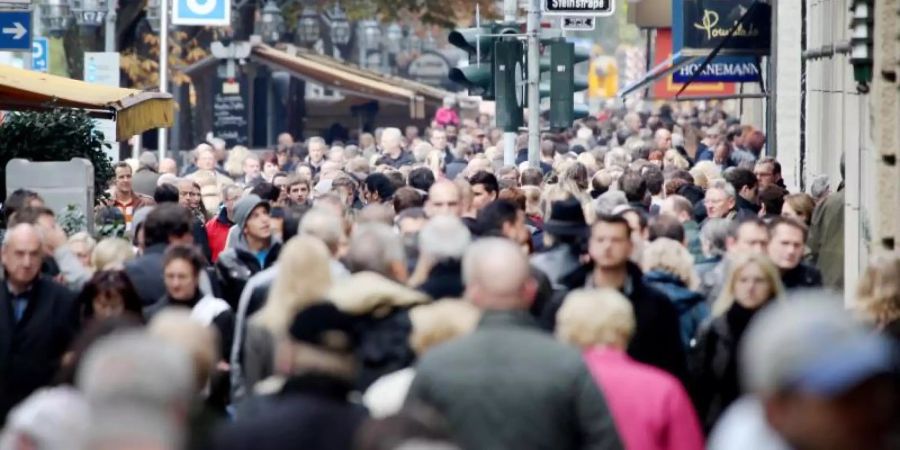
point(201, 342)
point(803, 204)
point(304, 277)
point(85, 238)
point(591, 317)
point(705, 172)
point(234, 165)
point(673, 159)
point(111, 254)
point(878, 292)
point(667, 255)
point(441, 321)
point(739, 263)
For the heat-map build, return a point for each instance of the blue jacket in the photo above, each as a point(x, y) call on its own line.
point(691, 306)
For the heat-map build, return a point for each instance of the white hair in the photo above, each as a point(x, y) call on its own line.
point(391, 133)
point(444, 237)
point(323, 224)
point(374, 247)
point(723, 186)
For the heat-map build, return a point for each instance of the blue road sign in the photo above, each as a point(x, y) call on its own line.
point(40, 54)
point(15, 31)
point(202, 12)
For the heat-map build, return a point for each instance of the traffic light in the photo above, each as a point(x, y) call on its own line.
point(508, 87)
point(564, 84)
point(862, 26)
point(477, 77)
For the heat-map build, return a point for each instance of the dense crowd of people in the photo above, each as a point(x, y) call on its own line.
point(650, 283)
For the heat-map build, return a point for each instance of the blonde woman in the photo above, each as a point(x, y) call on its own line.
point(752, 283)
point(651, 409)
point(111, 254)
point(234, 165)
point(878, 293)
point(432, 324)
point(303, 277)
point(672, 160)
point(799, 206)
point(669, 267)
point(82, 245)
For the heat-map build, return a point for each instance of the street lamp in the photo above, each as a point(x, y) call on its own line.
point(89, 13)
point(340, 26)
point(55, 16)
point(371, 35)
point(271, 23)
point(308, 26)
point(153, 9)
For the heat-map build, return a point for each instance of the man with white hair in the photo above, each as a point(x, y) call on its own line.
point(144, 179)
point(143, 407)
point(375, 247)
point(508, 384)
point(720, 200)
point(441, 246)
point(168, 165)
point(38, 318)
point(206, 164)
point(392, 149)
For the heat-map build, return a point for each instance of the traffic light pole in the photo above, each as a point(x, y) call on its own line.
point(534, 81)
point(510, 8)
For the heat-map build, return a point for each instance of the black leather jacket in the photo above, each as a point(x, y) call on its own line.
point(236, 265)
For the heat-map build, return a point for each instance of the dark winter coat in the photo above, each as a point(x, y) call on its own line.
point(657, 337)
point(236, 265)
point(310, 411)
point(802, 276)
point(146, 274)
point(713, 363)
point(31, 349)
point(691, 306)
point(444, 281)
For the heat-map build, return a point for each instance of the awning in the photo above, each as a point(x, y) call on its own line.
point(134, 111)
point(351, 79)
point(671, 64)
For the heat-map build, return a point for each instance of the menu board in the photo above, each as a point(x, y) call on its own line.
point(230, 114)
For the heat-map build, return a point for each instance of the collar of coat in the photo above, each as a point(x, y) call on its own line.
point(507, 318)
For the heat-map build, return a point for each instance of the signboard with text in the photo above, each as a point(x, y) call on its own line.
point(40, 55)
point(579, 7)
point(705, 24)
point(666, 88)
point(230, 111)
point(430, 68)
point(578, 23)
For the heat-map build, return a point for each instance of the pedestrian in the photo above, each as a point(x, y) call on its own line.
point(441, 244)
point(477, 382)
point(746, 187)
point(836, 391)
point(651, 408)
point(786, 248)
point(109, 294)
point(680, 208)
point(112, 253)
point(720, 200)
point(167, 224)
point(752, 283)
point(310, 404)
point(668, 267)
point(145, 178)
point(123, 195)
point(218, 227)
point(394, 154)
point(878, 294)
point(302, 278)
point(750, 235)
point(38, 319)
point(432, 324)
point(59, 261)
point(51, 418)
point(565, 240)
point(82, 246)
point(252, 247)
point(182, 266)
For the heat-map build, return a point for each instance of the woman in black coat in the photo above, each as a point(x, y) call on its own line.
point(752, 283)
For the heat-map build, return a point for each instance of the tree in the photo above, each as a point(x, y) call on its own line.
point(55, 135)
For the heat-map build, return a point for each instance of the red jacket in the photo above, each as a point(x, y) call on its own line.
point(217, 232)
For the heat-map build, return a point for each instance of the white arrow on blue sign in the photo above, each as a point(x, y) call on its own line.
point(202, 12)
point(40, 54)
point(15, 30)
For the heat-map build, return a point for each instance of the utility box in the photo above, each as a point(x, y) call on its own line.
point(59, 183)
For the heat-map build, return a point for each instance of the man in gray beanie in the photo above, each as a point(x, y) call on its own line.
point(251, 247)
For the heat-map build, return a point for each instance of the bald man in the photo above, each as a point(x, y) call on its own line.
point(38, 319)
point(508, 384)
point(168, 165)
point(444, 199)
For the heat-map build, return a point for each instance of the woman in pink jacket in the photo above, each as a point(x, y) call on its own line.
point(651, 408)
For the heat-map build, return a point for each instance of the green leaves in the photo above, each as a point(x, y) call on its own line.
point(55, 135)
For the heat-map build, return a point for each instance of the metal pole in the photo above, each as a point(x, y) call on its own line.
point(772, 79)
point(109, 35)
point(510, 9)
point(163, 65)
point(534, 93)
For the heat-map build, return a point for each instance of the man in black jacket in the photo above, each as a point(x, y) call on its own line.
point(252, 247)
point(167, 223)
point(656, 340)
point(38, 319)
point(786, 247)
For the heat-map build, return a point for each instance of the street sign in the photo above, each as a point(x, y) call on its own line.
point(579, 7)
point(581, 23)
point(40, 54)
point(102, 68)
point(202, 12)
point(15, 30)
